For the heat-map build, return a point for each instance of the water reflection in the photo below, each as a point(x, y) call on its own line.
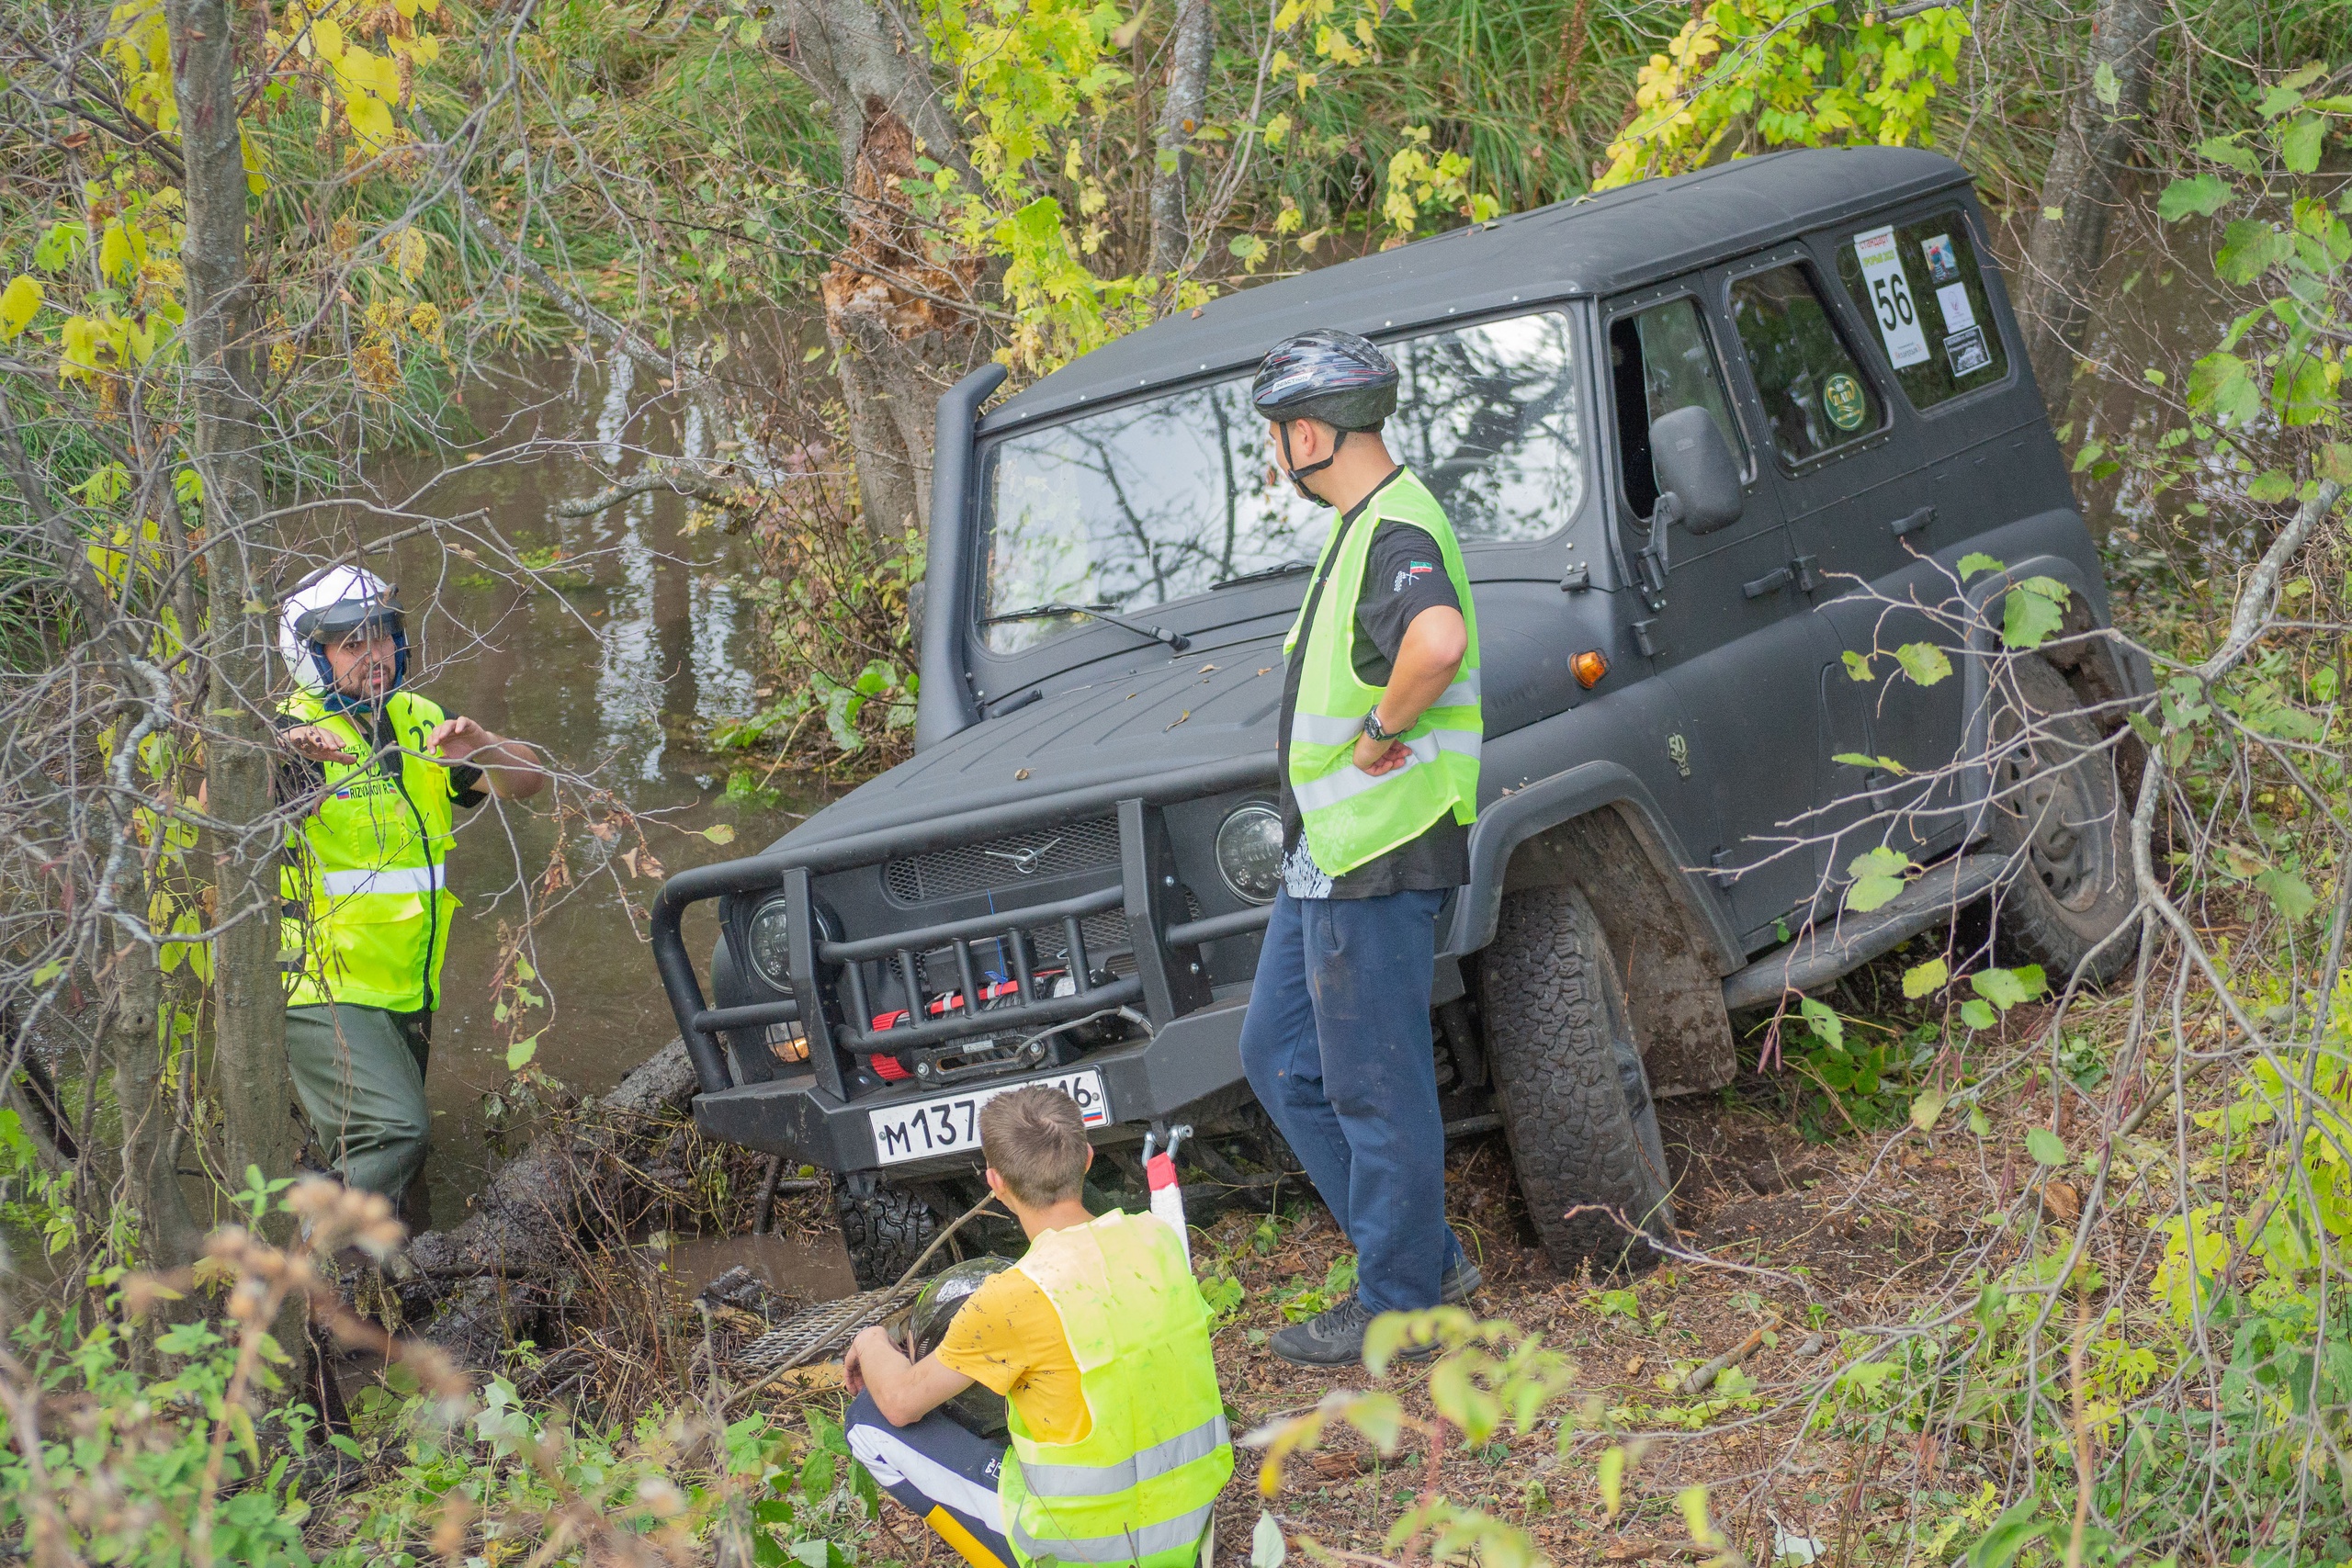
point(633, 650)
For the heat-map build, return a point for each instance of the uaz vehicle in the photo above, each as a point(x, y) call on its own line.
point(1701, 438)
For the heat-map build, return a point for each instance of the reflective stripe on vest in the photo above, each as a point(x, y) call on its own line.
point(1180, 1534)
point(1351, 816)
point(1100, 1480)
point(395, 879)
point(1139, 1484)
point(1317, 730)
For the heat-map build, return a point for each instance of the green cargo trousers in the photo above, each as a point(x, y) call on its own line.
point(360, 1074)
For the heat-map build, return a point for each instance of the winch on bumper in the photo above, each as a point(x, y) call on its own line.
point(1091, 965)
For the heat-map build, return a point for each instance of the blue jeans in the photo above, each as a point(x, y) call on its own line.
point(1337, 1044)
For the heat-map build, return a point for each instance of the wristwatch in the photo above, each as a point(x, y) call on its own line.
point(1372, 725)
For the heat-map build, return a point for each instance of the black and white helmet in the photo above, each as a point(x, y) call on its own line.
point(1342, 379)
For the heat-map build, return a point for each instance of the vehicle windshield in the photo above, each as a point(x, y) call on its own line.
point(1162, 499)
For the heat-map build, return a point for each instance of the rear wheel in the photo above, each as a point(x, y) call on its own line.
point(885, 1232)
point(2058, 817)
point(1569, 1082)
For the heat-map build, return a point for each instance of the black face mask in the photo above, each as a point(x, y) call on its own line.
point(1298, 476)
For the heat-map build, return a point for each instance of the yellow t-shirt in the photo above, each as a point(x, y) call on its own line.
point(1009, 1338)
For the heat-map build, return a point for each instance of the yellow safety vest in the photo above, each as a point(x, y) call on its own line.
point(1351, 816)
point(368, 909)
point(1139, 1487)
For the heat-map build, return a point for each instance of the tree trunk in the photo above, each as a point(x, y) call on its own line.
point(897, 309)
point(2082, 189)
point(1193, 46)
point(150, 1132)
point(250, 1075)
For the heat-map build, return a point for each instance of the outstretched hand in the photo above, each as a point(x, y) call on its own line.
point(455, 740)
point(316, 743)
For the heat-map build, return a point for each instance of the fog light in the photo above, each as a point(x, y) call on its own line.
point(1250, 852)
point(1588, 667)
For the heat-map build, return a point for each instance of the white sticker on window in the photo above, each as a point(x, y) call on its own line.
point(1889, 296)
point(1958, 316)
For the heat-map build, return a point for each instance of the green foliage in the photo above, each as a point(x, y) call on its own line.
point(831, 603)
point(142, 1441)
point(34, 1198)
point(2288, 247)
point(1766, 73)
point(1305, 1301)
point(1879, 877)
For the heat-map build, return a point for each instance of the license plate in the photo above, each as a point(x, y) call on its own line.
point(951, 1123)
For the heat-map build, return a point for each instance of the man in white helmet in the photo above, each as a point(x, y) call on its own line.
point(378, 774)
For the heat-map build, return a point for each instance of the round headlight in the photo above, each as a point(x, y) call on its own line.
point(1250, 852)
point(770, 957)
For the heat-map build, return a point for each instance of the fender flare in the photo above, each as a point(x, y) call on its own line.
point(1511, 820)
point(2127, 668)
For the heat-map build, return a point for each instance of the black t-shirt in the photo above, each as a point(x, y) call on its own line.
point(1404, 574)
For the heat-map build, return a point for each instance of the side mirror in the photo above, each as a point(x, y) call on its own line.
point(1696, 469)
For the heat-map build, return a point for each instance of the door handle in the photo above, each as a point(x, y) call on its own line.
point(1779, 577)
point(1913, 523)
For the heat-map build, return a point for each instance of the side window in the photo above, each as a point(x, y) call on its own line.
point(1659, 361)
point(1816, 398)
point(1921, 284)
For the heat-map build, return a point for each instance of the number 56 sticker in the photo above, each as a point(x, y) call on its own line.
point(1898, 318)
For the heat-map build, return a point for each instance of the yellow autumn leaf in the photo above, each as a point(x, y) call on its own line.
point(326, 39)
point(116, 257)
point(371, 122)
point(1613, 1481)
point(409, 253)
point(19, 302)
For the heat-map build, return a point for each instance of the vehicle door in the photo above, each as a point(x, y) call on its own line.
point(1733, 647)
point(1931, 334)
point(1845, 463)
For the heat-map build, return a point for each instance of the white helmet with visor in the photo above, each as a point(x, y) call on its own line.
point(332, 606)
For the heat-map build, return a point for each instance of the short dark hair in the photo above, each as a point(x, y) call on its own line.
point(1034, 1138)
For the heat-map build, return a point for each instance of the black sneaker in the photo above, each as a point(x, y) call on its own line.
point(1333, 1337)
point(1460, 1283)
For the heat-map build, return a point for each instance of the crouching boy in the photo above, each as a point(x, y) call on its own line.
point(1098, 1340)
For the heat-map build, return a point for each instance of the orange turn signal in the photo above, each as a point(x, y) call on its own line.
point(1588, 667)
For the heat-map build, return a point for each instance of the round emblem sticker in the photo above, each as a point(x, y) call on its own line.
point(1841, 396)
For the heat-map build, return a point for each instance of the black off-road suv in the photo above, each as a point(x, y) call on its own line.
point(1702, 439)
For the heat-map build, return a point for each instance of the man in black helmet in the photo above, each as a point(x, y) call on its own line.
point(1379, 768)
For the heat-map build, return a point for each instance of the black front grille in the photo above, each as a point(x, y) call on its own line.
point(1007, 862)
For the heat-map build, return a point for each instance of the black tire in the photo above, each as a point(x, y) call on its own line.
point(2058, 816)
point(885, 1234)
point(1569, 1083)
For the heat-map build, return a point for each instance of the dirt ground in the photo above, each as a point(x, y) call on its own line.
point(1801, 1240)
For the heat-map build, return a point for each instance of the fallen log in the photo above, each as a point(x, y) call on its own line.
point(474, 1288)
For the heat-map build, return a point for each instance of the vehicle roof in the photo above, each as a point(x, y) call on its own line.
point(1592, 245)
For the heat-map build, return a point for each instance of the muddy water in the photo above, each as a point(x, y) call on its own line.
point(619, 671)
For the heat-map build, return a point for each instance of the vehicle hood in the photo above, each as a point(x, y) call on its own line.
point(1202, 706)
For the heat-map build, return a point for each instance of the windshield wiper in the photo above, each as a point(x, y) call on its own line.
point(1177, 641)
point(1264, 574)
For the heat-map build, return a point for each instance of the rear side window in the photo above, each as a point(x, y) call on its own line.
point(1816, 398)
point(1921, 284)
point(1660, 361)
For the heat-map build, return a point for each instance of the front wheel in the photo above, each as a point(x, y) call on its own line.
point(1569, 1082)
point(885, 1232)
